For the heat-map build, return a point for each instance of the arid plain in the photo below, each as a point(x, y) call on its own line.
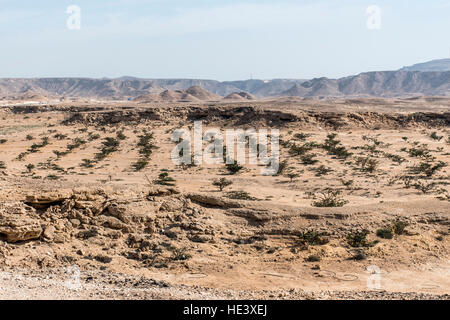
point(92, 206)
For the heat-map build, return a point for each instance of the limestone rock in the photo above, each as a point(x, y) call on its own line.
point(214, 201)
point(19, 229)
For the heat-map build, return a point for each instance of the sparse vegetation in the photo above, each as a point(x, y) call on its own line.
point(309, 159)
point(367, 164)
point(399, 227)
point(334, 147)
point(240, 195)
point(358, 239)
point(427, 168)
point(233, 168)
point(165, 180)
point(313, 238)
point(222, 183)
point(292, 175)
point(385, 233)
point(109, 145)
point(330, 198)
point(435, 136)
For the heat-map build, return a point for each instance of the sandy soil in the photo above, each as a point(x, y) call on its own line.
point(64, 208)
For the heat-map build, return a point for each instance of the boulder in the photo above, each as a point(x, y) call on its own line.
point(18, 222)
point(213, 201)
point(14, 229)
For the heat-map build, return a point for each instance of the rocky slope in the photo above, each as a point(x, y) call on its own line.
point(434, 65)
point(380, 84)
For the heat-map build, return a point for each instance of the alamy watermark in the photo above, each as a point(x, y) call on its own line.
point(74, 19)
point(228, 148)
point(74, 280)
point(374, 279)
point(373, 17)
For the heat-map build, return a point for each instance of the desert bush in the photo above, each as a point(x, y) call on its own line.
point(419, 152)
point(367, 164)
point(330, 198)
point(30, 167)
point(165, 180)
point(427, 168)
point(240, 195)
point(140, 164)
point(109, 145)
point(2, 165)
point(330, 141)
point(435, 136)
point(358, 239)
point(347, 183)
point(292, 175)
point(395, 158)
point(87, 163)
point(93, 136)
point(233, 168)
point(60, 136)
point(313, 258)
point(59, 154)
point(359, 255)
point(301, 136)
point(21, 156)
point(146, 146)
point(424, 187)
point(407, 181)
point(385, 233)
point(373, 144)
point(399, 227)
point(120, 135)
point(308, 159)
point(76, 143)
point(180, 254)
point(322, 170)
point(334, 148)
point(222, 183)
point(298, 150)
point(313, 238)
point(36, 146)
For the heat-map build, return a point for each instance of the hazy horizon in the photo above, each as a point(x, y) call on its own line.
point(219, 40)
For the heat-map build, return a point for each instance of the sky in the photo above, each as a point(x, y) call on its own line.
point(219, 39)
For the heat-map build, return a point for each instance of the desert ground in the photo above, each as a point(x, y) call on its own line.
point(92, 206)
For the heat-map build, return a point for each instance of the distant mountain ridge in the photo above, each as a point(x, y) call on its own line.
point(378, 84)
point(434, 65)
point(413, 80)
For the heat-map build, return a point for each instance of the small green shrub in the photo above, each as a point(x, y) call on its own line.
point(222, 183)
point(313, 238)
point(233, 168)
point(330, 198)
point(358, 239)
point(313, 258)
point(165, 180)
point(385, 233)
point(399, 227)
point(240, 195)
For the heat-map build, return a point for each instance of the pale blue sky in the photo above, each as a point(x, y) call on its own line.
point(218, 39)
